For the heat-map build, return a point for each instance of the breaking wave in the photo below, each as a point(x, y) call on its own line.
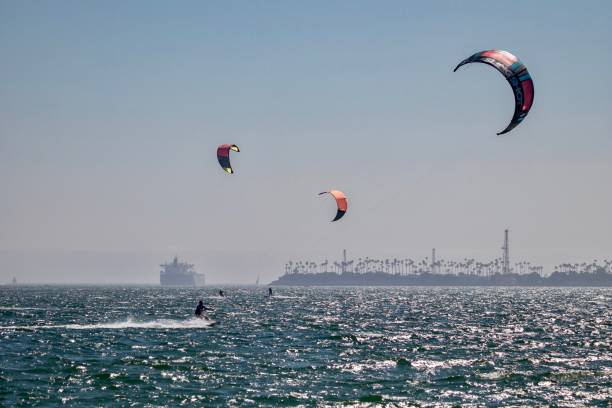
point(282, 297)
point(192, 323)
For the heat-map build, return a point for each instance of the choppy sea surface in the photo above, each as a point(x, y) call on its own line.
point(130, 346)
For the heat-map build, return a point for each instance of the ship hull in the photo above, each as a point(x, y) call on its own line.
point(178, 280)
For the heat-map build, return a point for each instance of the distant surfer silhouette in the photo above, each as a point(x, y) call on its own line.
point(221, 293)
point(269, 292)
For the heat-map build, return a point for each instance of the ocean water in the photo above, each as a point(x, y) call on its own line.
point(100, 346)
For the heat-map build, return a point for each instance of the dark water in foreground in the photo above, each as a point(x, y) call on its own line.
point(317, 346)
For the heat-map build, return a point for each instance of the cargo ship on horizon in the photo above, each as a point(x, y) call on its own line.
point(178, 273)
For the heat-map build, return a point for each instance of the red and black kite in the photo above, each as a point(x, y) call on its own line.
point(340, 201)
point(223, 153)
point(517, 76)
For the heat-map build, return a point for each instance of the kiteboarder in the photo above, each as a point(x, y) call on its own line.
point(269, 292)
point(199, 312)
point(221, 293)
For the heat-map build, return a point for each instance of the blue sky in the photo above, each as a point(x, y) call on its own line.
point(110, 114)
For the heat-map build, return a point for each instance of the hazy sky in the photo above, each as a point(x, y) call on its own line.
point(111, 112)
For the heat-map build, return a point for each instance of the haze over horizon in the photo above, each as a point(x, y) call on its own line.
point(111, 112)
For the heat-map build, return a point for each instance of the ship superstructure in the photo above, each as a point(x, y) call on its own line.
point(178, 273)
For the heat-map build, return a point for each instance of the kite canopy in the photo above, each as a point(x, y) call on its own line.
point(223, 152)
point(340, 201)
point(517, 76)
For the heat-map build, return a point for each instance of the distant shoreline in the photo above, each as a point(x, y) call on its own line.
point(557, 279)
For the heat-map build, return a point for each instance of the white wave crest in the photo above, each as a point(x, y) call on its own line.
point(193, 323)
point(281, 297)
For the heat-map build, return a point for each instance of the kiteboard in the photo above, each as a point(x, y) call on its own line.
point(209, 322)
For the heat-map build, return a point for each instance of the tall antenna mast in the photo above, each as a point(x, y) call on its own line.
point(433, 260)
point(506, 254)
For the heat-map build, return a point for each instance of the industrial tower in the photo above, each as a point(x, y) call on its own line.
point(433, 261)
point(506, 255)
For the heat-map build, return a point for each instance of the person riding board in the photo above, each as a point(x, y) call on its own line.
point(270, 292)
point(199, 312)
point(221, 293)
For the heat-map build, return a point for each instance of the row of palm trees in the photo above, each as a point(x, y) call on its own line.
point(584, 267)
point(408, 266)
